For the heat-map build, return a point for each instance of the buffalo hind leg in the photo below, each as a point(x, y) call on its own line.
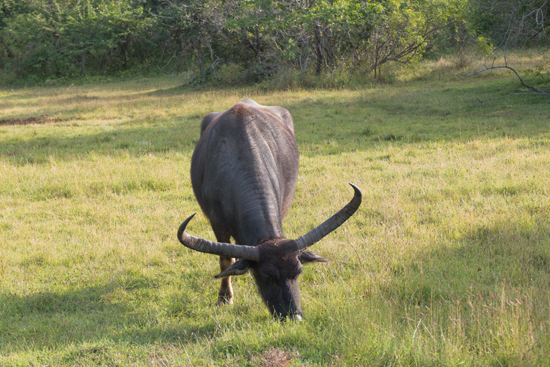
point(225, 296)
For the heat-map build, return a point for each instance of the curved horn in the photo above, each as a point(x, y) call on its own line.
point(216, 248)
point(332, 223)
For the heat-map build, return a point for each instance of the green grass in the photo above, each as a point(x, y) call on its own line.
point(447, 262)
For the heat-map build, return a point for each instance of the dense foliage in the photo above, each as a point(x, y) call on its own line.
point(511, 22)
point(240, 41)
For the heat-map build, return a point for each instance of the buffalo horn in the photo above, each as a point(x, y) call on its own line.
point(216, 248)
point(332, 223)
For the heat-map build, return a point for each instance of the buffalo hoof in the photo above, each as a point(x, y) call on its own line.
point(295, 317)
point(224, 301)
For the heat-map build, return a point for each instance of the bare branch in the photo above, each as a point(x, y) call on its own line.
point(448, 109)
point(504, 45)
point(538, 91)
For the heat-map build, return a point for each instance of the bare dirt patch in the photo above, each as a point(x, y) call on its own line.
point(35, 120)
point(274, 358)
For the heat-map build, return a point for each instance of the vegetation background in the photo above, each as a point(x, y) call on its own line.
point(447, 262)
point(288, 42)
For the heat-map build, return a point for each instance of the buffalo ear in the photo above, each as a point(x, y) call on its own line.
point(310, 257)
point(238, 268)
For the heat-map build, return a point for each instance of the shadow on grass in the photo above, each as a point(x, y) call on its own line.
point(89, 315)
point(486, 290)
point(367, 120)
point(323, 125)
point(481, 298)
point(136, 141)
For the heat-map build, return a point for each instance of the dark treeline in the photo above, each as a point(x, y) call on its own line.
point(249, 40)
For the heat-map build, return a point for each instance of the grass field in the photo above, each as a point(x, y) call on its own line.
point(447, 262)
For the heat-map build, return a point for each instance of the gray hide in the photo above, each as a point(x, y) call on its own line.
point(244, 171)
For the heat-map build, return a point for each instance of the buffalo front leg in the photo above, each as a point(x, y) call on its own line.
point(225, 296)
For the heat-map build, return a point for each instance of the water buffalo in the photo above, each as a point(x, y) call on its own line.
point(244, 171)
